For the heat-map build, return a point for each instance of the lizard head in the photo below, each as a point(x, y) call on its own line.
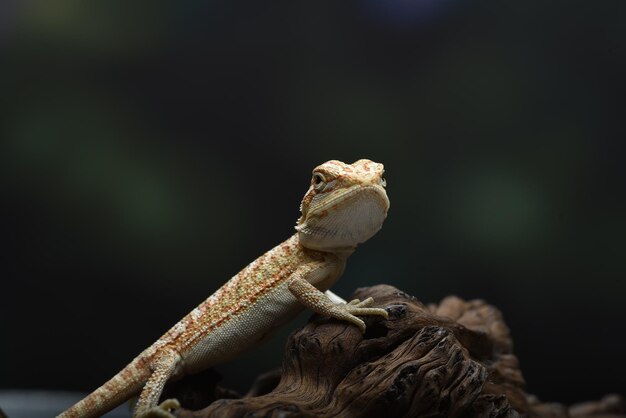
point(345, 205)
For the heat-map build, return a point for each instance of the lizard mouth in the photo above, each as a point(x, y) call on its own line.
point(356, 192)
point(346, 220)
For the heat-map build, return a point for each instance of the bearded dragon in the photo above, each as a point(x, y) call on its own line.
point(344, 206)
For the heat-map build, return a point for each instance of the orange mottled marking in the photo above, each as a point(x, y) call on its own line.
point(241, 292)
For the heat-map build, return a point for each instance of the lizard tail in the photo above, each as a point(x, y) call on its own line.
point(121, 387)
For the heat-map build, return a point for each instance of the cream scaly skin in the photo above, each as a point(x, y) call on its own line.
point(345, 205)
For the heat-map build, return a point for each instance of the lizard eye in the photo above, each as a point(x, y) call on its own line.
point(319, 182)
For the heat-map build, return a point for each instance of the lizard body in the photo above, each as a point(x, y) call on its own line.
point(345, 205)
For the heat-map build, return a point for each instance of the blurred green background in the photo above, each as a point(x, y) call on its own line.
point(151, 149)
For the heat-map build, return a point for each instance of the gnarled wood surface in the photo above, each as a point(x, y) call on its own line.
point(454, 359)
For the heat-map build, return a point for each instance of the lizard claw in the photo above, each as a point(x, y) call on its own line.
point(163, 410)
point(349, 311)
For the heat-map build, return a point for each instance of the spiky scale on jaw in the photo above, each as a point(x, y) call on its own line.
point(345, 205)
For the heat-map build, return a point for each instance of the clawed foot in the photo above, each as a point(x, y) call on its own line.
point(164, 410)
point(349, 311)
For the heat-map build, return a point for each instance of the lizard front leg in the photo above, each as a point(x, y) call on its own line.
point(314, 299)
point(147, 404)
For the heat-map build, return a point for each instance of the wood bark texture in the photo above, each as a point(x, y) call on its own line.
point(454, 359)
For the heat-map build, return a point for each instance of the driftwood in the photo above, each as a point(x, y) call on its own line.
point(454, 359)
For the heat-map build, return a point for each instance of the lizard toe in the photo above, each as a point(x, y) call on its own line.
point(361, 303)
point(369, 312)
point(358, 322)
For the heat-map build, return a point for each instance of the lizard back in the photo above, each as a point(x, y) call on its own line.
point(223, 325)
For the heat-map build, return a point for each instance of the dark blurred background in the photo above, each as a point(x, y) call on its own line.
point(151, 149)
